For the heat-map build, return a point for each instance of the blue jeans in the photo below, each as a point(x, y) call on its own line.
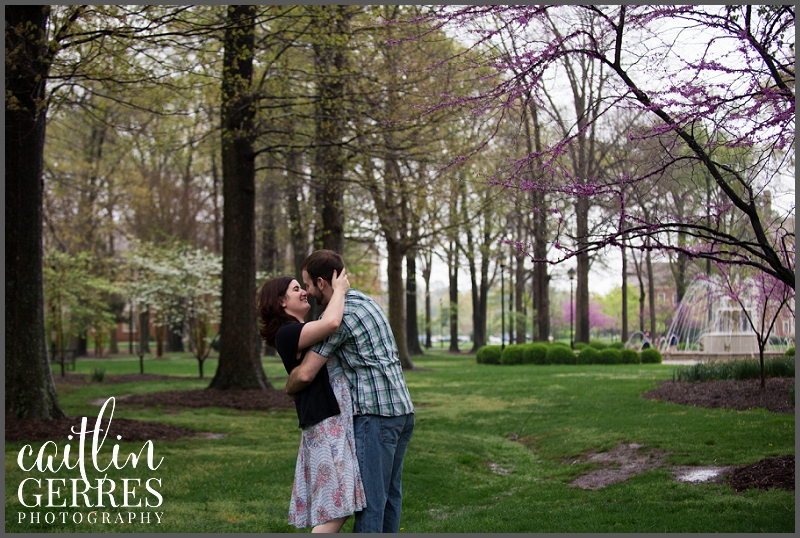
point(380, 447)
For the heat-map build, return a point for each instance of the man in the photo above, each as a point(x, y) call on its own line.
point(383, 415)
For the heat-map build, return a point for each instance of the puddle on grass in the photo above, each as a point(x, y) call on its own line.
point(100, 401)
point(211, 435)
point(697, 474)
point(497, 469)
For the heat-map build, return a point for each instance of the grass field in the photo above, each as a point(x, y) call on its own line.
point(463, 472)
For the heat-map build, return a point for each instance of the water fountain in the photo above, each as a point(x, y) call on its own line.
point(710, 325)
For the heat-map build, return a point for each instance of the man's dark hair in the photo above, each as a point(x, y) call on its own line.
point(322, 263)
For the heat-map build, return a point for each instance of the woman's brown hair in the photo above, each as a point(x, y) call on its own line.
point(271, 314)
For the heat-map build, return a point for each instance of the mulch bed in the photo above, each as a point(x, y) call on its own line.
point(138, 430)
point(85, 379)
point(741, 395)
point(244, 400)
point(728, 394)
point(765, 474)
point(59, 429)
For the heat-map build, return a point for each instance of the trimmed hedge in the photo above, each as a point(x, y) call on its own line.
point(651, 356)
point(598, 345)
point(790, 352)
point(580, 346)
point(535, 354)
point(588, 355)
point(558, 354)
point(629, 356)
point(512, 354)
point(617, 345)
point(488, 355)
point(610, 356)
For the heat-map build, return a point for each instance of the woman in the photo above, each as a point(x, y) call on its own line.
point(327, 482)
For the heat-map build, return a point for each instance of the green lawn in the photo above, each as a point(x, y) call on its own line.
point(463, 473)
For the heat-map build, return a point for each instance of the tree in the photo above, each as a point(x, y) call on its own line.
point(239, 361)
point(330, 43)
point(725, 71)
point(30, 392)
point(398, 160)
point(75, 299)
point(412, 332)
point(180, 285)
point(761, 297)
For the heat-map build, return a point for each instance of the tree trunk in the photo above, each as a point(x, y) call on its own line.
point(161, 331)
point(144, 334)
point(624, 294)
point(239, 365)
point(396, 307)
point(519, 288)
point(268, 259)
point(297, 230)
point(651, 290)
point(642, 293)
point(426, 276)
point(478, 323)
point(113, 344)
point(30, 392)
point(215, 200)
point(541, 280)
point(175, 339)
point(483, 301)
point(332, 24)
point(582, 277)
point(412, 327)
point(453, 273)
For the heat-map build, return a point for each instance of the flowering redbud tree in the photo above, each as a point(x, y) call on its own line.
point(708, 79)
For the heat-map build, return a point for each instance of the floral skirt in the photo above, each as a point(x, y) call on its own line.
point(327, 479)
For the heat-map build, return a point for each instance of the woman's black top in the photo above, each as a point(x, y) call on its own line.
point(317, 401)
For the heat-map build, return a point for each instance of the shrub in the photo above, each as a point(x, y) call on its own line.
point(651, 356)
point(610, 356)
point(535, 354)
point(560, 354)
point(617, 345)
point(629, 356)
point(598, 345)
point(588, 355)
point(790, 352)
point(580, 346)
point(744, 369)
point(488, 355)
point(512, 354)
point(779, 366)
point(98, 375)
point(736, 369)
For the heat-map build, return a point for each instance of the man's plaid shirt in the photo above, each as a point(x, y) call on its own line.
point(368, 353)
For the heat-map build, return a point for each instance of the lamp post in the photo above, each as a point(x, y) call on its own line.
point(502, 260)
point(571, 274)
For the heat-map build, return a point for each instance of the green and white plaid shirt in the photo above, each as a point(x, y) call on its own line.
point(366, 348)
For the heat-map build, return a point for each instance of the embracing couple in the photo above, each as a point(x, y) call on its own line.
point(351, 397)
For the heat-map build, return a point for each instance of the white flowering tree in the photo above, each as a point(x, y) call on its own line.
point(180, 286)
